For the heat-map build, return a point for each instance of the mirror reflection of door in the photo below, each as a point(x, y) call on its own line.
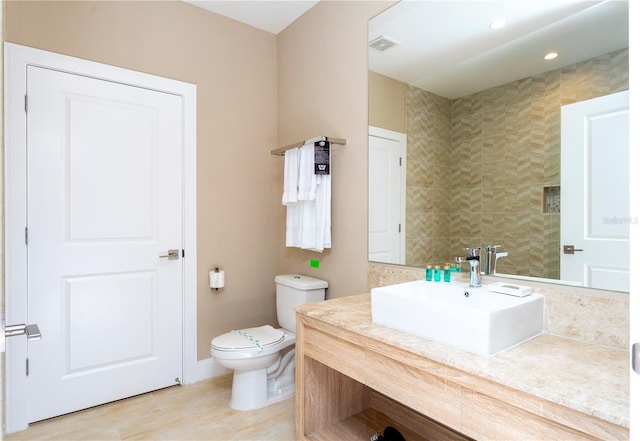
point(595, 216)
point(387, 188)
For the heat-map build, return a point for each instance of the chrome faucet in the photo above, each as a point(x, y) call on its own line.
point(474, 266)
point(491, 258)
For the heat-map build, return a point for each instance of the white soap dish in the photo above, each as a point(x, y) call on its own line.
point(510, 289)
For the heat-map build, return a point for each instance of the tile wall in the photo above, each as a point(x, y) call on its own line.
point(509, 136)
point(428, 177)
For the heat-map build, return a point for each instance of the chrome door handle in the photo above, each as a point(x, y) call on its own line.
point(31, 331)
point(570, 249)
point(171, 255)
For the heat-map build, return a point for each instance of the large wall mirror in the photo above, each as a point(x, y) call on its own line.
point(472, 115)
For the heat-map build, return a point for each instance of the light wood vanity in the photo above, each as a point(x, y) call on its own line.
point(353, 378)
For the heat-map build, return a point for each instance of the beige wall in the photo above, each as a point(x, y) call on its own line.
point(322, 90)
point(234, 68)
point(387, 103)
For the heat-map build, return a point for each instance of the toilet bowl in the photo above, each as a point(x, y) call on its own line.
point(252, 354)
point(263, 357)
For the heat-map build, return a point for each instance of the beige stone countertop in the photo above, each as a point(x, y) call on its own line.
point(584, 377)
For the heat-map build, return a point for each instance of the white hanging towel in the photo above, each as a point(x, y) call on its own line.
point(306, 173)
point(290, 192)
point(308, 223)
point(323, 214)
point(290, 196)
point(301, 216)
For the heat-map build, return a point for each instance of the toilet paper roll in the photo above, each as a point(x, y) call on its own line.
point(216, 279)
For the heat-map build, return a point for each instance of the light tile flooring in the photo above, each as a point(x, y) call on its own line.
point(198, 411)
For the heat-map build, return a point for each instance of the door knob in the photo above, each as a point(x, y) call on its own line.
point(31, 331)
point(171, 255)
point(570, 249)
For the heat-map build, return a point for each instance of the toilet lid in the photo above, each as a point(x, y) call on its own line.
point(249, 338)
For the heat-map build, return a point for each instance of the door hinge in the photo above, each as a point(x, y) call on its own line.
point(27, 367)
point(26, 235)
point(400, 161)
point(183, 253)
point(399, 228)
point(26, 103)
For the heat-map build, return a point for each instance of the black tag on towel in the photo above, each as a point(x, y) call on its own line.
point(322, 157)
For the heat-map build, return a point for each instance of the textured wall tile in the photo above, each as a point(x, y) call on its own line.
point(428, 175)
point(493, 200)
point(417, 147)
point(467, 126)
point(440, 153)
point(552, 238)
point(438, 227)
point(417, 199)
point(441, 201)
point(494, 147)
point(493, 121)
point(493, 173)
point(465, 159)
point(465, 105)
point(416, 225)
point(418, 174)
point(508, 137)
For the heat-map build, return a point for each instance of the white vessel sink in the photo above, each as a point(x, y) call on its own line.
point(473, 319)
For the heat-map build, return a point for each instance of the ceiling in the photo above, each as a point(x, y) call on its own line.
point(269, 15)
point(448, 48)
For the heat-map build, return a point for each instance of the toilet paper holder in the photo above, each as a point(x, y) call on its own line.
point(216, 279)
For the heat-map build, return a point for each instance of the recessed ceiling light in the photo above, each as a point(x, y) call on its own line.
point(551, 56)
point(497, 24)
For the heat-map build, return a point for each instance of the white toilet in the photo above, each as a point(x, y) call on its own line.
point(263, 358)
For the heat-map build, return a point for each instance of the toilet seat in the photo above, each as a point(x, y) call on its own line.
point(258, 339)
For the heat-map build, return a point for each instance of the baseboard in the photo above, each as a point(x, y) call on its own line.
point(208, 368)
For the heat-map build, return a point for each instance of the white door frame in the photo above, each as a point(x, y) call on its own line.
point(16, 59)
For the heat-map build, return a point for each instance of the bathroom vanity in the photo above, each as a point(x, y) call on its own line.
point(354, 378)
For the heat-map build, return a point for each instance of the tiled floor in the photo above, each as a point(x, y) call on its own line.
point(197, 411)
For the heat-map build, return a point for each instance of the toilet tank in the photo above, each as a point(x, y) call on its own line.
point(293, 290)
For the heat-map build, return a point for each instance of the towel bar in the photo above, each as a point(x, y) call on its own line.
point(281, 151)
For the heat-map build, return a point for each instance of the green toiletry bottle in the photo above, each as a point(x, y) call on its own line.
point(436, 273)
point(429, 273)
point(447, 273)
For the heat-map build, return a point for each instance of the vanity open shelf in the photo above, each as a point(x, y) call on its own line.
point(340, 408)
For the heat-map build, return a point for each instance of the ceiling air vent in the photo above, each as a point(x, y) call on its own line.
point(382, 43)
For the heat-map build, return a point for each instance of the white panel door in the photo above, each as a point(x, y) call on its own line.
point(595, 192)
point(104, 192)
point(387, 188)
